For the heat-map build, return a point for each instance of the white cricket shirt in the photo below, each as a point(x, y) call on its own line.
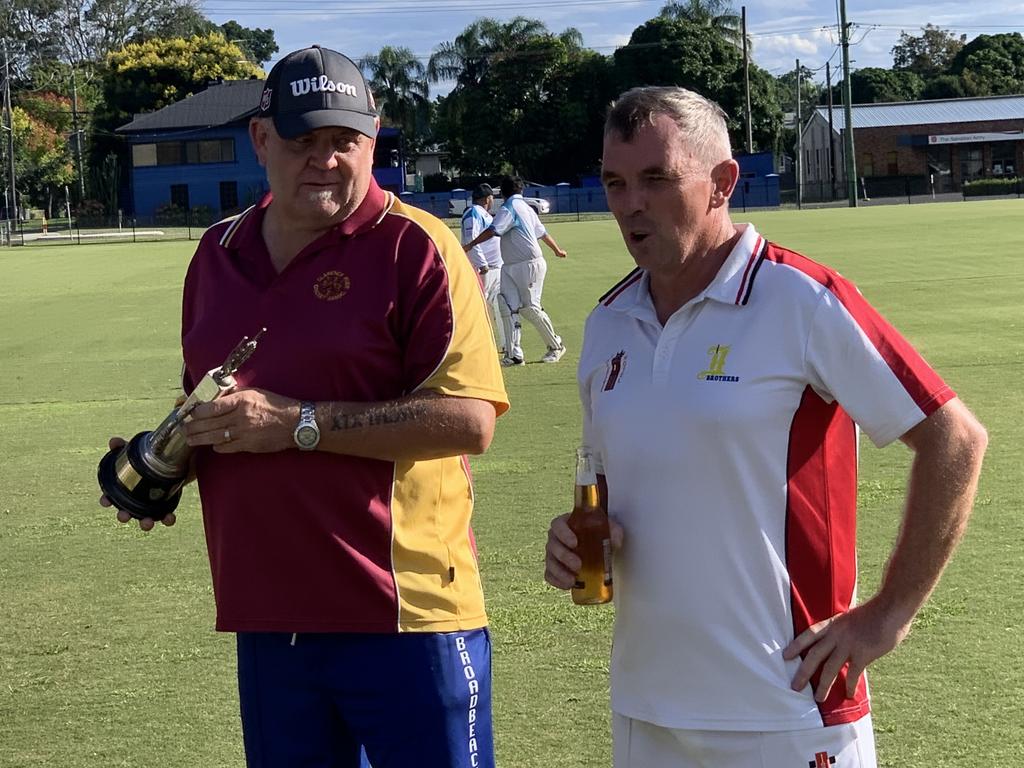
point(727, 438)
point(475, 219)
point(520, 228)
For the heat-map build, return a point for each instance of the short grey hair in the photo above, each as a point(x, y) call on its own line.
point(701, 122)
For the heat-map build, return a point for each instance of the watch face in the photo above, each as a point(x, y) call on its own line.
point(307, 436)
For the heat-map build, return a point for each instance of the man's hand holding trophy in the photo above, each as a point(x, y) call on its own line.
point(143, 478)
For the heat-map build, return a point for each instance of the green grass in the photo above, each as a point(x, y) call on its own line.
point(107, 655)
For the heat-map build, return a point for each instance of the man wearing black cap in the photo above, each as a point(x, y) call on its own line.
point(335, 491)
point(486, 257)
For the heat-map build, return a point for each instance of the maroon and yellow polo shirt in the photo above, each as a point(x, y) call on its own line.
point(382, 305)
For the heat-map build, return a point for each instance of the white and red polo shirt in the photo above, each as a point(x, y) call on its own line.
point(729, 444)
point(382, 305)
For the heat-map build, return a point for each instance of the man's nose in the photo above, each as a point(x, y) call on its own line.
point(635, 198)
point(324, 156)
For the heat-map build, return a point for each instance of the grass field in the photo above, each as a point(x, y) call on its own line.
point(107, 655)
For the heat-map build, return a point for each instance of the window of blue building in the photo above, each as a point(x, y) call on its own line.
point(228, 196)
point(184, 152)
point(179, 196)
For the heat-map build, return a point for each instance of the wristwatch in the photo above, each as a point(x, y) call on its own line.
point(483, 270)
point(307, 433)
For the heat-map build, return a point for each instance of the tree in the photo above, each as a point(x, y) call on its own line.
point(399, 85)
point(42, 163)
point(257, 44)
point(667, 51)
point(991, 65)
point(714, 14)
point(928, 54)
point(944, 87)
point(511, 77)
point(467, 59)
point(873, 84)
point(810, 91)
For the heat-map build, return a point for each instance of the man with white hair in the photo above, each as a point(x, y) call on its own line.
point(723, 382)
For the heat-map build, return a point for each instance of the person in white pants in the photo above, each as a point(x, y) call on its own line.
point(522, 273)
point(486, 257)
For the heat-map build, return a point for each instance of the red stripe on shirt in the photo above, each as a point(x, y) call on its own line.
point(925, 387)
point(746, 272)
point(821, 532)
point(623, 287)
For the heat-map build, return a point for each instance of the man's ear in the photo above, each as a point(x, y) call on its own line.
point(725, 175)
point(258, 133)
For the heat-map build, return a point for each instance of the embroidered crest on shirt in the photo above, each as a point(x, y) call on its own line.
point(331, 286)
point(615, 368)
point(822, 760)
point(716, 369)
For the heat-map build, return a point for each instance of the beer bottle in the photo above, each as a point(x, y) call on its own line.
point(589, 522)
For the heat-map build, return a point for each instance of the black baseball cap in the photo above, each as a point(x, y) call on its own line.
point(317, 88)
point(480, 191)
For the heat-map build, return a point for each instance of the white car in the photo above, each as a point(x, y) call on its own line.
point(457, 205)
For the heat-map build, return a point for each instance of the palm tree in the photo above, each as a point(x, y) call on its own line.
point(468, 57)
point(398, 82)
point(716, 14)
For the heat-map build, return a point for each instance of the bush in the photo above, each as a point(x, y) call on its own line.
point(91, 213)
point(169, 214)
point(201, 216)
point(982, 187)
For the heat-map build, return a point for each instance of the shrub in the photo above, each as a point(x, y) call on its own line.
point(981, 187)
point(169, 214)
point(201, 216)
point(91, 213)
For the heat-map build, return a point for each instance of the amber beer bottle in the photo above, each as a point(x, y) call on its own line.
point(589, 521)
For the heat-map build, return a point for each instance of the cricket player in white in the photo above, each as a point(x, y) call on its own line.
point(522, 276)
point(723, 382)
point(485, 257)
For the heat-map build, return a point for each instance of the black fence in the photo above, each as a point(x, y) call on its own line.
point(907, 189)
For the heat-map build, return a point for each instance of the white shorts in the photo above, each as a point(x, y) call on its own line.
point(639, 744)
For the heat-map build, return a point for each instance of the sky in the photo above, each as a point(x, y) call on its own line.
point(782, 30)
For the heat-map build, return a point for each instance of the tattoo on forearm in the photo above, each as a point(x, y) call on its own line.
point(379, 416)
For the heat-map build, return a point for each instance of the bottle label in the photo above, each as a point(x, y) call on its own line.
point(606, 545)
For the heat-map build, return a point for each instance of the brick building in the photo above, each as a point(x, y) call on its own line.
point(916, 146)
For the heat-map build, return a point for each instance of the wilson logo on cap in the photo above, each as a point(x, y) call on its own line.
point(321, 84)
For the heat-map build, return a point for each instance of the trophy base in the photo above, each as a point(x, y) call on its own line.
point(132, 486)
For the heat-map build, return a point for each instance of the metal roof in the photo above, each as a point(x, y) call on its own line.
point(219, 104)
point(973, 110)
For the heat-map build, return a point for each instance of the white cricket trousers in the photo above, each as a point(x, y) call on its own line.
point(490, 282)
point(521, 288)
point(639, 744)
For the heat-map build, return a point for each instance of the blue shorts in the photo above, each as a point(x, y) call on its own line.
point(333, 700)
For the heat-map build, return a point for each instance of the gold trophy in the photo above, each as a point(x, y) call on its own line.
point(145, 477)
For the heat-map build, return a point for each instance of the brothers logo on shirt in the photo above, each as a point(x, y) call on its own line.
point(331, 286)
point(716, 370)
point(822, 760)
point(615, 367)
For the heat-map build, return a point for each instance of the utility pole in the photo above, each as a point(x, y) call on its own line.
point(13, 204)
point(851, 160)
point(746, 83)
point(78, 134)
point(799, 165)
point(831, 130)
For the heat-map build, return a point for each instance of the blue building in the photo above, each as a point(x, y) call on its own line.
point(195, 154)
